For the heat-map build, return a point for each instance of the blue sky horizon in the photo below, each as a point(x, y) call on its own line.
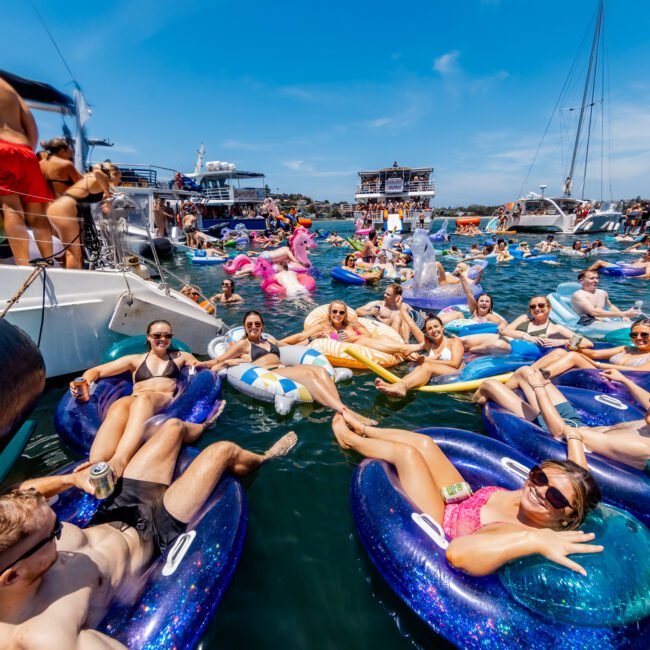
point(311, 95)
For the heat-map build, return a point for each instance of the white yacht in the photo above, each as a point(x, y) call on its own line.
point(539, 213)
point(381, 189)
point(231, 196)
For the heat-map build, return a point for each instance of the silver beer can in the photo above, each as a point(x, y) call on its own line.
point(101, 478)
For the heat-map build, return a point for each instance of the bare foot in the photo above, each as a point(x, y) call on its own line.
point(341, 431)
point(361, 418)
point(353, 421)
point(413, 347)
point(282, 446)
point(209, 422)
point(392, 390)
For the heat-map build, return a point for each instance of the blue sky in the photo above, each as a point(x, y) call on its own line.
point(310, 93)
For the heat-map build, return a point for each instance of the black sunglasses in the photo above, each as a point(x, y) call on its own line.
point(540, 305)
point(56, 532)
point(639, 335)
point(157, 336)
point(554, 497)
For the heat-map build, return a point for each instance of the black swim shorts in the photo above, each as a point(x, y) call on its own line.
point(567, 413)
point(139, 504)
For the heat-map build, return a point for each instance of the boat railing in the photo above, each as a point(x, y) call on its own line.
point(218, 193)
point(379, 188)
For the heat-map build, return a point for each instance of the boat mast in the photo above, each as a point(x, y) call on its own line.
point(199, 159)
point(594, 46)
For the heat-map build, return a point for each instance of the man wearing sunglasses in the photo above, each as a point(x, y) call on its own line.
point(58, 581)
point(592, 303)
point(544, 404)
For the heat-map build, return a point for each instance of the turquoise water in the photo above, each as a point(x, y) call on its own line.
point(304, 580)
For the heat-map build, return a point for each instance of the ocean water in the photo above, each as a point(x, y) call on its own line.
point(304, 580)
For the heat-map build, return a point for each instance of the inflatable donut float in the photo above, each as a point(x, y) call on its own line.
point(335, 350)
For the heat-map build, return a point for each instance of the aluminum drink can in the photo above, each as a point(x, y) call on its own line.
point(575, 341)
point(456, 492)
point(81, 388)
point(101, 478)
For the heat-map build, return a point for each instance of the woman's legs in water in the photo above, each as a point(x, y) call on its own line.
point(418, 377)
point(485, 344)
point(413, 470)
point(319, 384)
point(559, 361)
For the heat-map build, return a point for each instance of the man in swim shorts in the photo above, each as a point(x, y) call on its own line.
point(23, 190)
point(641, 263)
point(388, 311)
point(57, 581)
point(592, 303)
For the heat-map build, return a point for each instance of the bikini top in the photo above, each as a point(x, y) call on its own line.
point(258, 351)
point(524, 327)
point(64, 181)
point(171, 371)
point(335, 335)
point(464, 518)
point(636, 360)
point(445, 355)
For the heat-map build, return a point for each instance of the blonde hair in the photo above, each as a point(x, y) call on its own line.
point(16, 511)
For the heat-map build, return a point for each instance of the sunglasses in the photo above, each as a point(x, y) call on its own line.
point(254, 324)
point(56, 532)
point(226, 284)
point(539, 305)
point(639, 335)
point(553, 496)
point(157, 336)
point(338, 312)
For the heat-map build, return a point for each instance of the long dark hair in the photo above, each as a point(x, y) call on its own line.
point(429, 318)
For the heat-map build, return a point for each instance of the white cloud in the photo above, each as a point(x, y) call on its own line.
point(308, 169)
point(447, 63)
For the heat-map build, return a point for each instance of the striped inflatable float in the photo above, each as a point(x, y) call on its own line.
point(335, 350)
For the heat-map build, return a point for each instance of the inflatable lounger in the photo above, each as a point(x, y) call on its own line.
point(198, 398)
point(181, 590)
point(531, 602)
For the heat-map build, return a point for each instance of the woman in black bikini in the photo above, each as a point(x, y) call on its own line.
point(155, 376)
point(58, 169)
point(264, 351)
point(73, 206)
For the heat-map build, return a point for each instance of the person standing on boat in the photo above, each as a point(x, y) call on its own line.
point(57, 167)
point(58, 581)
point(23, 191)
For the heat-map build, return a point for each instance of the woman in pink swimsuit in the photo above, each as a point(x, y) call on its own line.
point(494, 525)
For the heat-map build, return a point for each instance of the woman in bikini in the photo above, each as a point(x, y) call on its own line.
point(443, 356)
point(481, 307)
point(535, 327)
point(341, 324)
point(633, 358)
point(493, 526)
point(68, 212)
point(155, 375)
point(57, 167)
point(264, 350)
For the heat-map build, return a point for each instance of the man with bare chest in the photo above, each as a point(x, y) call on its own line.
point(388, 310)
point(592, 303)
point(57, 580)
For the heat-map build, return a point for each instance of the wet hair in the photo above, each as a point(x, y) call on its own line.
point(396, 287)
point(232, 283)
point(372, 235)
point(577, 241)
point(155, 322)
point(583, 273)
point(16, 511)
point(252, 312)
point(54, 145)
point(348, 257)
point(487, 295)
point(587, 490)
point(346, 320)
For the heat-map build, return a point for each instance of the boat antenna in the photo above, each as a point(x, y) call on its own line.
point(56, 47)
point(199, 159)
point(594, 47)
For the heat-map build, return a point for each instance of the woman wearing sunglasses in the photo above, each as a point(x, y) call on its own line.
point(155, 376)
point(341, 324)
point(492, 526)
point(534, 327)
point(264, 350)
point(633, 358)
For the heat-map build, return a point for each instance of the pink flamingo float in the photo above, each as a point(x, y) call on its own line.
point(300, 242)
point(301, 283)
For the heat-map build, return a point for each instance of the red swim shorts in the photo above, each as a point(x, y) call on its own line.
point(21, 174)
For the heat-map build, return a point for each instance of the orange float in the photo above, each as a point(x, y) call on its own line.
point(304, 221)
point(468, 221)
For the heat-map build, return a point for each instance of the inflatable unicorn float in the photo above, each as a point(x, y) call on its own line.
point(296, 255)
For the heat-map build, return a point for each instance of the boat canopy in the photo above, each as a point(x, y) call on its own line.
point(40, 93)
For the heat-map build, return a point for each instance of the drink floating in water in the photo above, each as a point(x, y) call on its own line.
point(101, 478)
point(456, 492)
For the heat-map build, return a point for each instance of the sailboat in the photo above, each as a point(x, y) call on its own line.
point(538, 213)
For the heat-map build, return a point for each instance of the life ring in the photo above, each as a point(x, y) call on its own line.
point(335, 350)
